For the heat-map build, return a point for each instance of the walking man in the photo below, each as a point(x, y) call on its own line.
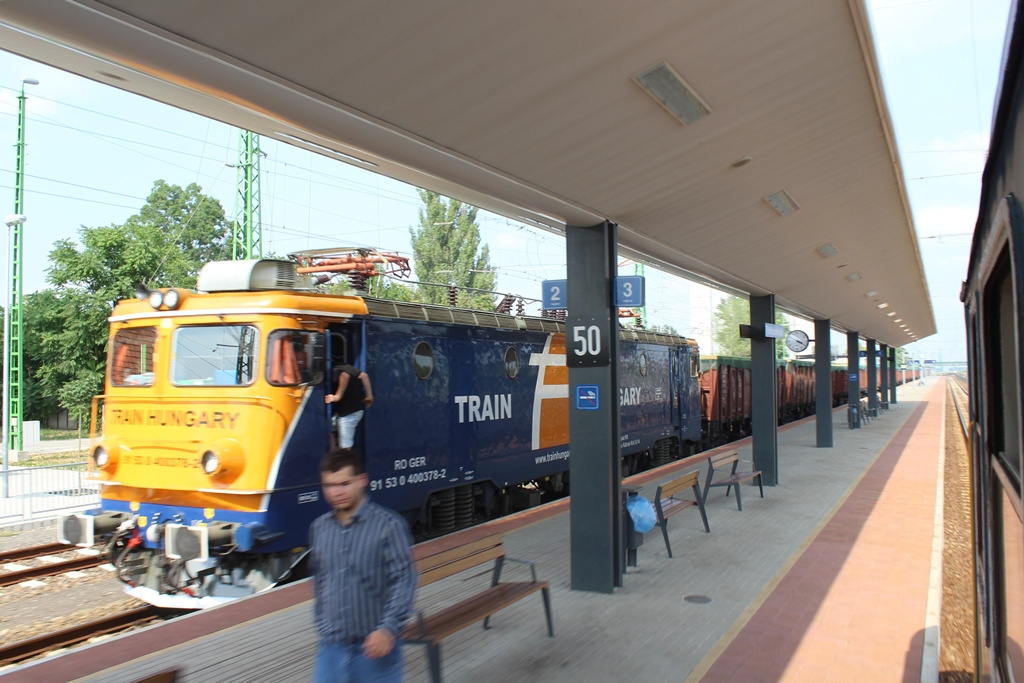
point(363, 578)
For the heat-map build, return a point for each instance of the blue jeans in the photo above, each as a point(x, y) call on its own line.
point(343, 663)
point(347, 428)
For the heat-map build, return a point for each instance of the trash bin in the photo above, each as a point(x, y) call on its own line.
point(633, 538)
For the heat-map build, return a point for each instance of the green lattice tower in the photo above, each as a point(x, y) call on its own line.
point(15, 356)
point(248, 243)
point(638, 269)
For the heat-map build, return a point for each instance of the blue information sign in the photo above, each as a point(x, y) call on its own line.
point(553, 296)
point(588, 397)
point(629, 290)
point(853, 376)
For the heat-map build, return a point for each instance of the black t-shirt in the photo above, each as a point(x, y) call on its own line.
point(352, 399)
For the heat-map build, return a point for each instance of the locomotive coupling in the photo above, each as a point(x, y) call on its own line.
point(83, 529)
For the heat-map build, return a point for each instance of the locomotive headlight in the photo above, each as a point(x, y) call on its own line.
point(172, 299)
point(210, 462)
point(224, 460)
point(105, 455)
point(156, 299)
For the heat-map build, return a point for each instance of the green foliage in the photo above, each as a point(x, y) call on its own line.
point(165, 244)
point(447, 251)
point(732, 312)
point(76, 396)
point(385, 288)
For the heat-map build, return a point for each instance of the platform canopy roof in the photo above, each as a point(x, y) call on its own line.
point(534, 109)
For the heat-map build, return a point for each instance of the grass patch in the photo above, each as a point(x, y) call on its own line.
point(62, 458)
point(59, 434)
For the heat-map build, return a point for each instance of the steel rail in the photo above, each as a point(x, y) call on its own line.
point(11, 578)
point(34, 551)
point(32, 647)
point(960, 412)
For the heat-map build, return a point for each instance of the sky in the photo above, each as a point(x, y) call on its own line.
point(93, 153)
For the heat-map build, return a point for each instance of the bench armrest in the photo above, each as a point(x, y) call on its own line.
point(533, 569)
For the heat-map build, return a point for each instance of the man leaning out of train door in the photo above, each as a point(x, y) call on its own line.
point(350, 399)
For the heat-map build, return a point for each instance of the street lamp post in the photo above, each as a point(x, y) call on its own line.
point(14, 220)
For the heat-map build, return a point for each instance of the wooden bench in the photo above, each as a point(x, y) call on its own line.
point(667, 502)
point(733, 479)
point(431, 629)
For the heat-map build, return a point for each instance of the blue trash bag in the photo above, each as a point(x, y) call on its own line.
point(642, 512)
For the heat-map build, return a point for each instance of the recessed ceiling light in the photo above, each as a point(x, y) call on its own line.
point(670, 91)
point(853, 277)
point(898, 320)
point(870, 294)
point(827, 250)
point(742, 161)
point(883, 305)
point(782, 202)
point(891, 313)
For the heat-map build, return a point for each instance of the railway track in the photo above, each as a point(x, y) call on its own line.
point(33, 552)
point(958, 391)
point(74, 635)
point(10, 578)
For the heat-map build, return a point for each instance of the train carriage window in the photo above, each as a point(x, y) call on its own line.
point(132, 357)
point(1001, 349)
point(511, 362)
point(423, 360)
point(214, 355)
point(642, 362)
point(291, 357)
point(694, 365)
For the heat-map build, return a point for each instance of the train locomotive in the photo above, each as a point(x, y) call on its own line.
point(213, 422)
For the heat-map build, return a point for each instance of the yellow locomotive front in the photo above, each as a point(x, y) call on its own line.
point(211, 428)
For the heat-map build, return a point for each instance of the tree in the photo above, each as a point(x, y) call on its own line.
point(730, 313)
point(76, 397)
point(164, 245)
point(447, 251)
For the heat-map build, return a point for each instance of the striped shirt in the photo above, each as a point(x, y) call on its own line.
point(363, 575)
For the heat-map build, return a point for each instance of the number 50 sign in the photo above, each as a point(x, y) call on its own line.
point(586, 343)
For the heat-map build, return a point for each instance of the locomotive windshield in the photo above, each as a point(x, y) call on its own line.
point(215, 355)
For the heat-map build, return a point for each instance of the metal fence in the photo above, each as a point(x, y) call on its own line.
point(33, 493)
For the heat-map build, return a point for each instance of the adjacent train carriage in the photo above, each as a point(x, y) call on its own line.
point(214, 422)
point(993, 297)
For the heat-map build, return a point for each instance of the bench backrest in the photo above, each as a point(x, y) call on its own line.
point(447, 563)
point(683, 483)
point(716, 461)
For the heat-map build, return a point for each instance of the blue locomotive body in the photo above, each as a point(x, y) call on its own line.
point(486, 407)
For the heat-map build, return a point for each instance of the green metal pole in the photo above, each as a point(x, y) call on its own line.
point(248, 242)
point(16, 356)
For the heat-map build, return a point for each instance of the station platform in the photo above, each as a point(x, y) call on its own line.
point(833, 576)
